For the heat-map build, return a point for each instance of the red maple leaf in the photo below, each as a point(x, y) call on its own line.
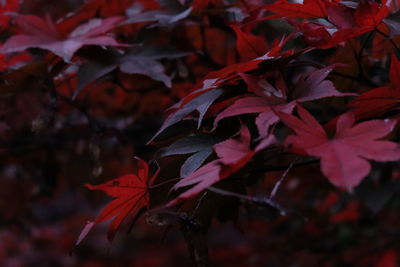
point(375, 102)
point(270, 100)
point(309, 9)
point(339, 21)
point(344, 156)
point(131, 193)
point(202, 98)
point(369, 14)
point(380, 100)
point(43, 33)
point(233, 155)
point(249, 46)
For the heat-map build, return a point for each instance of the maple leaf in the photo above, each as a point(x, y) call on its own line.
point(138, 60)
point(199, 145)
point(131, 193)
point(233, 155)
point(339, 21)
point(262, 106)
point(199, 100)
point(248, 45)
point(270, 100)
point(162, 18)
point(344, 156)
point(379, 100)
point(322, 36)
point(340, 15)
point(274, 55)
point(315, 86)
point(100, 9)
point(375, 102)
point(369, 14)
point(43, 33)
point(392, 26)
point(308, 9)
point(136, 64)
point(202, 98)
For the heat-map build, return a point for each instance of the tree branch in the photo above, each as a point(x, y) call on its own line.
point(260, 201)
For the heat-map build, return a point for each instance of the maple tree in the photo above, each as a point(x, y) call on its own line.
point(277, 116)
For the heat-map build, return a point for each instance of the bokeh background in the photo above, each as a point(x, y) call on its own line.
point(48, 151)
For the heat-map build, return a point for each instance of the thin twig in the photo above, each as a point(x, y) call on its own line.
point(279, 182)
point(198, 204)
point(261, 201)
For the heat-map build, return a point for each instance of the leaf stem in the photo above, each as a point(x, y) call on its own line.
point(163, 183)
